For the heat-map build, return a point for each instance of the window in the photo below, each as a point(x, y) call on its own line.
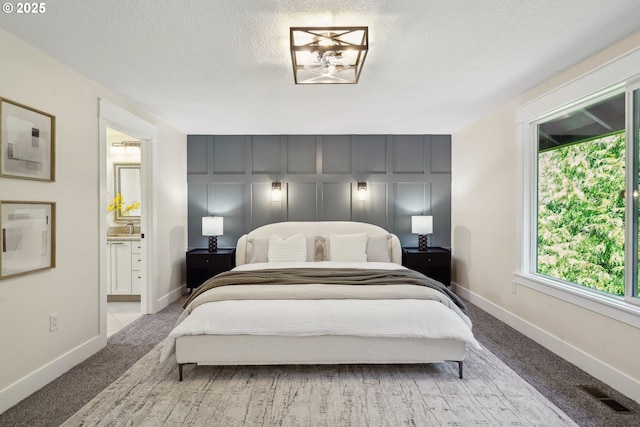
point(580, 207)
point(579, 156)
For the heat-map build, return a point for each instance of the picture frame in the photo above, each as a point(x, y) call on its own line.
point(27, 142)
point(28, 234)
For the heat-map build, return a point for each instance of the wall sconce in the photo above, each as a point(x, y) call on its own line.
point(328, 54)
point(362, 191)
point(276, 191)
point(422, 225)
point(212, 227)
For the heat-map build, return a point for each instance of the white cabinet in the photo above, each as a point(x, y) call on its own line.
point(136, 267)
point(124, 267)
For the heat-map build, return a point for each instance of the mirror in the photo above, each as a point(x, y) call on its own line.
point(127, 183)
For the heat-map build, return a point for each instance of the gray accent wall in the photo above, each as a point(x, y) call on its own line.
point(231, 176)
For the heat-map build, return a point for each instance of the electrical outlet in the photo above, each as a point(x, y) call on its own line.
point(53, 322)
point(514, 288)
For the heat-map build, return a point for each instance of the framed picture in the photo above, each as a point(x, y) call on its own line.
point(27, 142)
point(28, 237)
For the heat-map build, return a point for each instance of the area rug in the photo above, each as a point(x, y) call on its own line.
point(490, 394)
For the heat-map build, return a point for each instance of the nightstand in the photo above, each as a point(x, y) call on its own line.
point(202, 264)
point(434, 262)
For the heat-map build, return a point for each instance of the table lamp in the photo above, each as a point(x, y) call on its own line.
point(422, 225)
point(212, 227)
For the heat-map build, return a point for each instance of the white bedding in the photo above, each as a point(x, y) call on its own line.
point(410, 318)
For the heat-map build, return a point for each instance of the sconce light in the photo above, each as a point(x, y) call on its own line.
point(422, 225)
point(212, 227)
point(276, 191)
point(328, 54)
point(362, 191)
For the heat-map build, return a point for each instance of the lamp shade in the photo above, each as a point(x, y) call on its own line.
point(212, 225)
point(421, 224)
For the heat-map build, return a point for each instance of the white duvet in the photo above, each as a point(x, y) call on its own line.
point(407, 318)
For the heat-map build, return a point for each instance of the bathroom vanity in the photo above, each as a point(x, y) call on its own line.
point(124, 265)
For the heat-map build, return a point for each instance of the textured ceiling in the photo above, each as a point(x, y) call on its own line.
point(223, 66)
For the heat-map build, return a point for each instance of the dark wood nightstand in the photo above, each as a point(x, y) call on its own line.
point(202, 264)
point(434, 262)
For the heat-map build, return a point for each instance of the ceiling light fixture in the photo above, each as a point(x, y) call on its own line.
point(322, 55)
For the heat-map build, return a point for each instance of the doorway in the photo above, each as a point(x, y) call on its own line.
point(123, 217)
point(133, 131)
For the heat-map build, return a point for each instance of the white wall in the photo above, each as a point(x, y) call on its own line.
point(485, 246)
point(31, 356)
point(171, 210)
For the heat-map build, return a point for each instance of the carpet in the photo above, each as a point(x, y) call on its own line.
point(491, 394)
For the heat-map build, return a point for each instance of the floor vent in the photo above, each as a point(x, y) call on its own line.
point(602, 397)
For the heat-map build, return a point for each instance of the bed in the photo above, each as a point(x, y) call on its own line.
point(322, 292)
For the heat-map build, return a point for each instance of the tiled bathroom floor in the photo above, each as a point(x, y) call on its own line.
point(120, 314)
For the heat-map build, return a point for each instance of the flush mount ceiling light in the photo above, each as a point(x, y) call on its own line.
point(323, 55)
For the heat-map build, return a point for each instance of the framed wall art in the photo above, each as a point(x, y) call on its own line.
point(28, 237)
point(27, 142)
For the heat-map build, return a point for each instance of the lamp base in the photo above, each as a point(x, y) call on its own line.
point(213, 243)
point(422, 242)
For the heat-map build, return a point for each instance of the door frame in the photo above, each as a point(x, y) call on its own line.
point(114, 117)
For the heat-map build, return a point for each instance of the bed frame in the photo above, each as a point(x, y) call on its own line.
point(278, 350)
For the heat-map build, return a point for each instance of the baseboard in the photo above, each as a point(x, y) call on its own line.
point(26, 386)
point(169, 298)
point(600, 370)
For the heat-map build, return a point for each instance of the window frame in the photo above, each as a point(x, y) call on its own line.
point(632, 167)
point(620, 74)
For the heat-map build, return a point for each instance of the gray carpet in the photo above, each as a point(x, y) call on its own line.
point(555, 378)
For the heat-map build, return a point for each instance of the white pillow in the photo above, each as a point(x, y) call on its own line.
point(378, 248)
point(293, 249)
point(259, 250)
point(348, 247)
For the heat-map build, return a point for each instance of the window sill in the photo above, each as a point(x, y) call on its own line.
point(614, 308)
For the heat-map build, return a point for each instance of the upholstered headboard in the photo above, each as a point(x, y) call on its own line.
point(315, 228)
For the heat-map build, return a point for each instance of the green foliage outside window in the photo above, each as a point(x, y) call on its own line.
point(581, 213)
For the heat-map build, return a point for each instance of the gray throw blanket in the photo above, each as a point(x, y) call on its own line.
point(341, 276)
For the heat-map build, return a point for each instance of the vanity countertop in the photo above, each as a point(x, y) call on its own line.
point(112, 237)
